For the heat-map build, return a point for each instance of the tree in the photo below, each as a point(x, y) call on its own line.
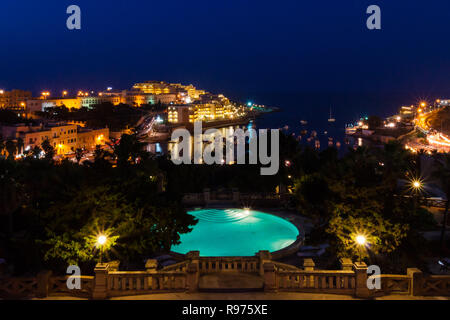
point(11, 148)
point(79, 153)
point(313, 196)
point(20, 145)
point(128, 150)
point(36, 152)
point(48, 149)
point(139, 226)
point(383, 236)
point(442, 173)
point(2, 147)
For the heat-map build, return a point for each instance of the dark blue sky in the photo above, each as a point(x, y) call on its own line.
point(229, 46)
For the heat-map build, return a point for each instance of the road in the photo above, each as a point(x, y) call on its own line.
point(436, 139)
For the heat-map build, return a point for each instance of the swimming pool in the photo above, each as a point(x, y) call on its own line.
point(236, 232)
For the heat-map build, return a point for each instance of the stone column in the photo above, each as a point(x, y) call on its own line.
point(416, 277)
point(270, 277)
point(100, 281)
point(346, 264)
point(192, 277)
point(361, 289)
point(151, 265)
point(308, 264)
point(264, 257)
point(43, 281)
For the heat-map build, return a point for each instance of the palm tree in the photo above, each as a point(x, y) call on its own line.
point(442, 173)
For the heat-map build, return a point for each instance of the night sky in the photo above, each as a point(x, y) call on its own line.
point(237, 47)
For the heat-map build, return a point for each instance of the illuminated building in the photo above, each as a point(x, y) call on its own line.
point(65, 138)
point(199, 112)
point(14, 100)
point(62, 137)
point(89, 138)
point(34, 105)
point(178, 93)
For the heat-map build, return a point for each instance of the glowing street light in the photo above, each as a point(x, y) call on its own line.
point(361, 241)
point(417, 184)
point(64, 93)
point(101, 241)
point(45, 94)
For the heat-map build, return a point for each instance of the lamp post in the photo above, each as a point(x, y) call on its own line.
point(101, 241)
point(416, 186)
point(361, 241)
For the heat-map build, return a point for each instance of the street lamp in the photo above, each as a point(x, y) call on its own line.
point(361, 241)
point(101, 241)
point(416, 184)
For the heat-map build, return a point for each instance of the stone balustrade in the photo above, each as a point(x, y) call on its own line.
point(184, 277)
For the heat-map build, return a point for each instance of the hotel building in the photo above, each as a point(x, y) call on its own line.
point(65, 138)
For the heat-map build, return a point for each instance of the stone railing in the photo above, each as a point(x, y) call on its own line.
point(180, 266)
point(58, 285)
point(393, 284)
point(18, 287)
point(326, 281)
point(228, 264)
point(129, 283)
point(108, 282)
point(435, 286)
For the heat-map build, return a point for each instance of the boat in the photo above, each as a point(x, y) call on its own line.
point(331, 119)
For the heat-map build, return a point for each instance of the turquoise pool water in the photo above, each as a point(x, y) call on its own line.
point(236, 232)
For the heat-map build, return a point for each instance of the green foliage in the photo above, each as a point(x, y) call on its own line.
point(57, 210)
point(348, 222)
